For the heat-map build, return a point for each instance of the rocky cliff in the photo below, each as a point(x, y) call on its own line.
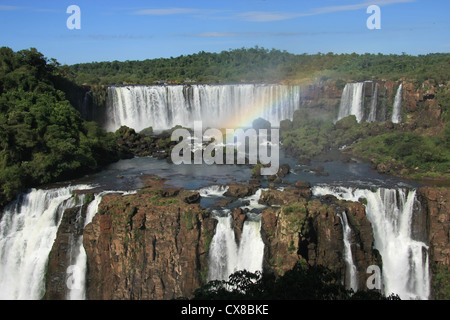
point(298, 228)
point(436, 207)
point(149, 245)
point(62, 256)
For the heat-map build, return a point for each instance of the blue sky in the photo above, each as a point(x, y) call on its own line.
point(137, 30)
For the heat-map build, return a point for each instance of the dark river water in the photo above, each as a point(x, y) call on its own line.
point(126, 174)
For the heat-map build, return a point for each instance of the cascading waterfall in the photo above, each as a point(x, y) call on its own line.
point(225, 255)
point(405, 260)
point(351, 268)
point(218, 106)
point(223, 250)
point(396, 112)
point(372, 117)
point(352, 102)
point(28, 229)
point(77, 288)
point(213, 191)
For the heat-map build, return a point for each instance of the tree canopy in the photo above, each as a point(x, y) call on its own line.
point(302, 282)
point(260, 64)
point(42, 136)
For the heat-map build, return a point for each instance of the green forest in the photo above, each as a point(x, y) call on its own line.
point(43, 138)
point(264, 65)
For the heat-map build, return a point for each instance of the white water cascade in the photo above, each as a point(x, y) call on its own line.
point(352, 102)
point(28, 229)
point(396, 111)
point(227, 257)
point(372, 117)
point(405, 268)
point(213, 191)
point(77, 288)
point(352, 282)
point(217, 106)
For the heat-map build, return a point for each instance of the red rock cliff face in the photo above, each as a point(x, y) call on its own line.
point(436, 202)
point(150, 245)
point(311, 230)
point(422, 103)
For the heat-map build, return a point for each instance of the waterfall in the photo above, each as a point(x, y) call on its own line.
point(227, 257)
point(352, 102)
point(213, 191)
point(28, 229)
point(351, 268)
point(218, 106)
point(77, 289)
point(223, 250)
point(396, 115)
point(372, 117)
point(405, 260)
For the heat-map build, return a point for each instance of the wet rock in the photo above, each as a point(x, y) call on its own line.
point(284, 170)
point(239, 217)
point(192, 198)
point(302, 184)
point(238, 190)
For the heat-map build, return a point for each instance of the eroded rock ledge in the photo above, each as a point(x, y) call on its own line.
point(296, 228)
point(149, 245)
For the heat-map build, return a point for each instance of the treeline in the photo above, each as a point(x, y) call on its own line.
point(302, 282)
point(43, 138)
point(263, 65)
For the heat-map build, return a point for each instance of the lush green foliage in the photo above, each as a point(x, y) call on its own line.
point(42, 137)
point(259, 64)
point(441, 282)
point(303, 282)
point(422, 155)
point(307, 138)
point(410, 149)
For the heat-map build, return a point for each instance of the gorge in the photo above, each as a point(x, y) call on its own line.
point(146, 229)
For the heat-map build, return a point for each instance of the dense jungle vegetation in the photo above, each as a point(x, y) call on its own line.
point(43, 138)
point(263, 65)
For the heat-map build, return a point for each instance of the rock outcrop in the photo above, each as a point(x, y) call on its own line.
point(297, 228)
point(61, 256)
point(435, 202)
point(149, 245)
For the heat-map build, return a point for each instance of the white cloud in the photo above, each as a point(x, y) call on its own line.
point(166, 12)
point(8, 8)
point(356, 6)
point(264, 16)
point(258, 34)
point(215, 34)
point(259, 16)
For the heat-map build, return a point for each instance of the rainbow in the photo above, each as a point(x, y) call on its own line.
point(274, 105)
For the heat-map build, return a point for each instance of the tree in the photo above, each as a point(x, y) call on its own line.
point(303, 282)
